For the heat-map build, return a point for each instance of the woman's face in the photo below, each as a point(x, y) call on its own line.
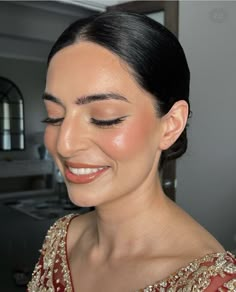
point(102, 131)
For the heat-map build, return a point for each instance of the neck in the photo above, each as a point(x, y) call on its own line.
point(125, 227)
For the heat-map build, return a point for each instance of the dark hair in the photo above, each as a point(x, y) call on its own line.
point(153, 53)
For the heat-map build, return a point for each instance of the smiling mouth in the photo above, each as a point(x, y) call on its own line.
point(83, 175)
point(84, 171)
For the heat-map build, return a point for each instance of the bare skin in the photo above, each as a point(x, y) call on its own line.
point(131, 254)
point(136, 236)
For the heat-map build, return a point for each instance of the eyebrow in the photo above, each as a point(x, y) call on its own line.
point(100, 97)
point(50, 97)
point(87, 99)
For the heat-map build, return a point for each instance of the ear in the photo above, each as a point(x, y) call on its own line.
point(173, 124)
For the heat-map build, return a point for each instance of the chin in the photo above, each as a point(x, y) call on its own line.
point(88, 195)
point(83, 200)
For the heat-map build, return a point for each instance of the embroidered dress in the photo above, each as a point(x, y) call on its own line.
point(213, 272)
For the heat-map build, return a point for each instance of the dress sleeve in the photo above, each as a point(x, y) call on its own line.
point(212, 273)
point(228, 284)
point(49, 272)
point(223, 275)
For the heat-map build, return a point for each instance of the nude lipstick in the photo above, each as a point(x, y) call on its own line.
point(81, 173)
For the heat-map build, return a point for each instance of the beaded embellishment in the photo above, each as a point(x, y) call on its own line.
point(199, 274)
point(52, 273)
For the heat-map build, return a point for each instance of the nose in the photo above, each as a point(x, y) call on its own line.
point(72, 137)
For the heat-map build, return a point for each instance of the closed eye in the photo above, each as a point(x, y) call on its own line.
point(100, 123)
point(107, 123)
point(53, 121)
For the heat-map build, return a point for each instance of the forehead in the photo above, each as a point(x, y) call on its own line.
point(89, 68)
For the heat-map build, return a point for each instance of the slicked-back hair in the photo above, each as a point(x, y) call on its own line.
point(152, 52)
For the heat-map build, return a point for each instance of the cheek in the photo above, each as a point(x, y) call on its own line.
point(129, 141)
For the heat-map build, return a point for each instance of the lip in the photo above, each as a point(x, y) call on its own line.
point(83, 178)
point(82, 165)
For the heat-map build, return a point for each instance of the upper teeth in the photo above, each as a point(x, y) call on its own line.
point(80, 171)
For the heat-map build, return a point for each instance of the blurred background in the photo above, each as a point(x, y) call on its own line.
point(32, 192)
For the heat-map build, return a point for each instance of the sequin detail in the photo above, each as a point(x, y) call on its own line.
point(199, 274)
point(52, 272)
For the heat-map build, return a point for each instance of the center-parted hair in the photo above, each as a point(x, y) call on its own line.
point(152, 52)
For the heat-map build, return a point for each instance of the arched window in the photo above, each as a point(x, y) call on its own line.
point(12, 134)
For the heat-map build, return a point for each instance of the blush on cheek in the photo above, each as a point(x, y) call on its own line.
point(127, 141)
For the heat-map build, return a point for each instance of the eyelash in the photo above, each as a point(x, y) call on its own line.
point(55, 122)
point(99, 123)
point(107, 123)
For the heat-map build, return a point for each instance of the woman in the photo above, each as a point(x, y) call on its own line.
point(117, 97)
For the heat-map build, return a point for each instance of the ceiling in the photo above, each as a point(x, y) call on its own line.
point(98, 5)
point(28, 29)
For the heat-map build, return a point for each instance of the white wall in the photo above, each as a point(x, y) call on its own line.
point(29, 76)
point(28, 30)
point(206, 175)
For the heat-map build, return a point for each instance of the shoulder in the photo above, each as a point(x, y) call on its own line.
point(57, 232)
point(53, 257)
point(186, 229)
point(67, 230)
point(216, 272)
point(211, 273)
point(77, 228)
point(221, 273)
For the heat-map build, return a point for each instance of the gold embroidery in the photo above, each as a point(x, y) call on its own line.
point(52, 272)
point(231, 285)
point(45, 276)
point(196, 277)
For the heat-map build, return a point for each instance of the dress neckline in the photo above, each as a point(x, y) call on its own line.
point(190, 267)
